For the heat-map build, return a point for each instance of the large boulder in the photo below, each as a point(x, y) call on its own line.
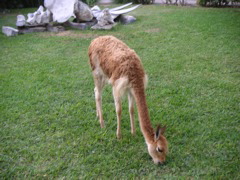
point(62, 10)
point(82, 12)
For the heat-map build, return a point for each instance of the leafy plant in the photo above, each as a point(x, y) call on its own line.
point(217, 3)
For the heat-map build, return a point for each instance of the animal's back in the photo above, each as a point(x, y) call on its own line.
point(115, 58)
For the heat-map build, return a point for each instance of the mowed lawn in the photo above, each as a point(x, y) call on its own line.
point(49, 128)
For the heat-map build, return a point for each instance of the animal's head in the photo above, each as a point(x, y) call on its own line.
point(159, 148)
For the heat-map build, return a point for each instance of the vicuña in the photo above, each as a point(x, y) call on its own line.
point(112, 61)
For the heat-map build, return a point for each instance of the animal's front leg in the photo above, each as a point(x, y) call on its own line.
point(131, 112)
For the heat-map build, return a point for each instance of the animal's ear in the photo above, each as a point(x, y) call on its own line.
point(163, 129)
point(160, 131)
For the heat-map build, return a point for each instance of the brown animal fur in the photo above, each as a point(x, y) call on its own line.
point(114, 62)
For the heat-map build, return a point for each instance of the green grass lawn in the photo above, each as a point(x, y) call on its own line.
point(49, 129)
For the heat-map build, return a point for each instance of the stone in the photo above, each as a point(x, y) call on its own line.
point(38, 18)
point(61, 10)
point(39, 13)
point(104, 21)
point(106, 27)
point(80, 26)
point(120, 7)
point(82, 12)
point(55, 29)
point(21, 21)
point(46, 17)
point(96, 11)
point(31, 30)
point(125, 19)
point(115, 12)
point(65, 9)
point(31, 18)
point(105, 18)
point(9, 31)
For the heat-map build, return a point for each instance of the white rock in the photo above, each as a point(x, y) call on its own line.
point(9, 31)
point(62, 10)
point(96, 11)
point(105, 18)
point(115, 12)
point(45, 17)
point(39, 17)
point(21, 21)
point(39, 13)
point(31, 18)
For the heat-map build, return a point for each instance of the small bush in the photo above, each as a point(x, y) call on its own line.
point(218, 3)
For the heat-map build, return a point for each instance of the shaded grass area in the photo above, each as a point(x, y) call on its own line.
point(48, 123)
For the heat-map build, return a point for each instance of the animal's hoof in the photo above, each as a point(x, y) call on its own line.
point(119, 136)
point(102, 125)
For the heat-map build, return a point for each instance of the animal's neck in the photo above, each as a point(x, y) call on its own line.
point(143, 114)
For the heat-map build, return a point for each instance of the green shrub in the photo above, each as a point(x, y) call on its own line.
point(217, 2)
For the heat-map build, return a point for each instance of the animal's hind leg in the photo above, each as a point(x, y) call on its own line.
point(131, 112)
point(99, 84)
point(118, 106)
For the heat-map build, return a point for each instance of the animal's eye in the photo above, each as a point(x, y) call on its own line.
point(159, 150)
